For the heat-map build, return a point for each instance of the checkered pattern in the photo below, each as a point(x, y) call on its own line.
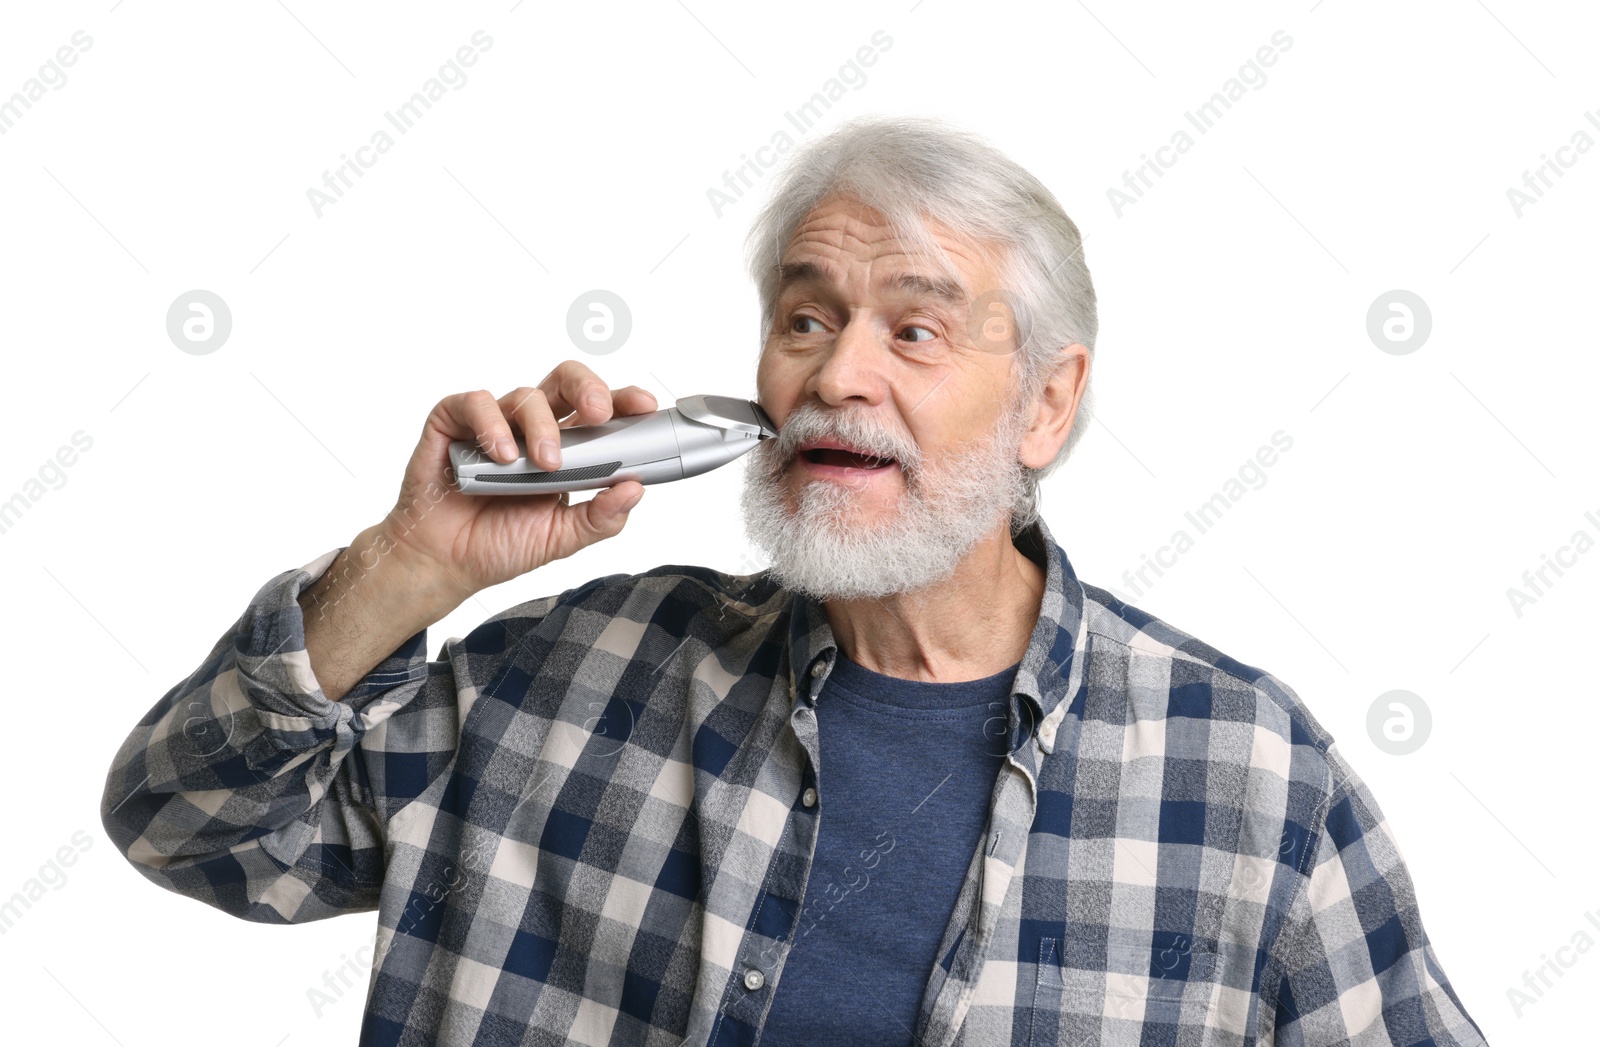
point(583, 824)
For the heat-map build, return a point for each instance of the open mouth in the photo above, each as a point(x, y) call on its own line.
point(842, 459)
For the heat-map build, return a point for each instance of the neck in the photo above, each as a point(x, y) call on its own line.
point(973, 624)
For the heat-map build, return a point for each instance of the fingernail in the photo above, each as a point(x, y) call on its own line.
point(505, 448)
point(549, 452)
point(631, 502)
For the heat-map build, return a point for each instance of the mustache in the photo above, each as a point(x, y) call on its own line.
point(811, 421)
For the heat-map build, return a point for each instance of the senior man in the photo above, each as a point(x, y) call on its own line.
point(915, 783)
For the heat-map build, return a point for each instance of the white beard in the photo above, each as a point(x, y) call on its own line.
point(945, 509)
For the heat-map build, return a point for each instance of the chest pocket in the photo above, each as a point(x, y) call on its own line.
point(1169, 986)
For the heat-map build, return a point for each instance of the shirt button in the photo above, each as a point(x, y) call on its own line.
point(754, 979)
point(816, 669)
point(809, 797)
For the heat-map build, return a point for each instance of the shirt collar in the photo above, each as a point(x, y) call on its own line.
point(1050, 670)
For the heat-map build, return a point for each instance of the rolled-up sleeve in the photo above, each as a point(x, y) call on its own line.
point(239, 788)
point(1352, 963)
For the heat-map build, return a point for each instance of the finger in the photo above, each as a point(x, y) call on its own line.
point(573, 387)
point(530, 411)
point(629, 400)
point(602, 516)
point(633, 399)
point(477, 416)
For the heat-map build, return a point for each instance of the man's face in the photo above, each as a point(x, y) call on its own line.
point(876, 351)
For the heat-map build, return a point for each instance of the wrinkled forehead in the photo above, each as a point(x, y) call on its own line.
point(916, 251)
point(951, 289)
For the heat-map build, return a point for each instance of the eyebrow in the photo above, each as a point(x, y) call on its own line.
point(939, 287)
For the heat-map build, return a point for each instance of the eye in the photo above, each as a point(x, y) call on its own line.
point(924, 330)
point(795, 325)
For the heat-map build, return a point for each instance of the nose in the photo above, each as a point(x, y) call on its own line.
point(852, 372)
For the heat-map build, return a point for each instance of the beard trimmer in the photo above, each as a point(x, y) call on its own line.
point(694, 436)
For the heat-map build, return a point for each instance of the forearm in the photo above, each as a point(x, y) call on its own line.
point(370, 601)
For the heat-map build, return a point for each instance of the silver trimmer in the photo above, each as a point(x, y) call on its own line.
point(694, 436)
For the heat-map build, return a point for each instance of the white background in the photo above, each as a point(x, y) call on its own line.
point(578, 155)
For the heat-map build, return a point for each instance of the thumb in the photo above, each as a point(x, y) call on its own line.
point(603, 515)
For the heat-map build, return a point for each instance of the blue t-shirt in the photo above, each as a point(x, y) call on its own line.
point(903, 797)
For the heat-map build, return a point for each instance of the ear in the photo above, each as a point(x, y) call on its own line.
point(1051, 415)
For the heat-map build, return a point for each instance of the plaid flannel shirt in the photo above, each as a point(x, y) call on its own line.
point(584, 823)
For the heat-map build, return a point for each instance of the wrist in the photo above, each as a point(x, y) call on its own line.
point(432, 580)
point(389, 572)
point(364, 607)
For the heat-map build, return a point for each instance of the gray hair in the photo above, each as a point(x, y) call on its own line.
point(915, 169)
